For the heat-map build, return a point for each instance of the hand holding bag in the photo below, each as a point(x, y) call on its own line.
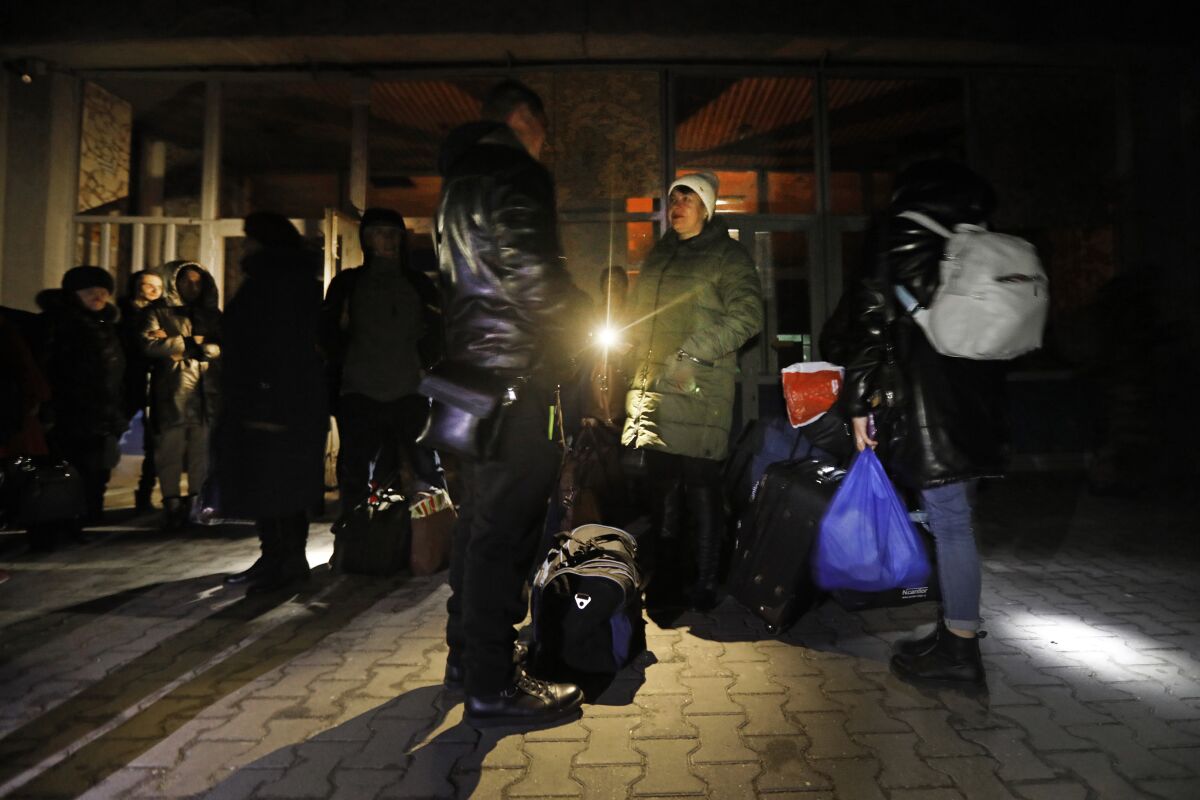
point(468, 409)
point(866, 540)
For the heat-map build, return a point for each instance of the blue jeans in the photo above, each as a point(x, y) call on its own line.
point(949, 508)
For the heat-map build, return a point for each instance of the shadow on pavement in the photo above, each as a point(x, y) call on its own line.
point(170, 661)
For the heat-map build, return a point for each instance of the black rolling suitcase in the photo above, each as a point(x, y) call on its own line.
point(771, 574)
point(377, 537)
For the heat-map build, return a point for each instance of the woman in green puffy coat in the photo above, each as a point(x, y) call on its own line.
point(698, 299)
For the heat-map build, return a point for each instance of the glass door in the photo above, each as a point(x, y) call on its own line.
point(784, 249)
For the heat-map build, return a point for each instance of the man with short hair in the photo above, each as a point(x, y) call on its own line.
point(507, 299)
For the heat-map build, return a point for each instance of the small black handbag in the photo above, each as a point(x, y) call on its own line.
point(468, 409)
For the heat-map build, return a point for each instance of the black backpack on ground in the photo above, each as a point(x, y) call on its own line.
point(586, 605)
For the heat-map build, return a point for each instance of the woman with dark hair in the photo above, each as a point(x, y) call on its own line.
point(941, 421)
point(145, 293)
point(698, 299)
point(270, 435)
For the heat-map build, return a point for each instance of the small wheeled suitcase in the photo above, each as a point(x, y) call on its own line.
point(376, 538)
point(771, 569)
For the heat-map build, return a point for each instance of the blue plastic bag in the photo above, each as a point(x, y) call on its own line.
point(866, 541)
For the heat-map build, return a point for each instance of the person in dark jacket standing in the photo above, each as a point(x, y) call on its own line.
point(941, 421)
point(86, 370)
point(184, 343)
point(145, 293)
point(697, 301)
point(271, 426)
point(507, 297)
point(380, 326)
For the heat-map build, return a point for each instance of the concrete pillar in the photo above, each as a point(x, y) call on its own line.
point(360, 121)
point(212, 254)
point(151, 178)
point(41, 185)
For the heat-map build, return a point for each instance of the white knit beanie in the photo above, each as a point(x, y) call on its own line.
point(703, 184)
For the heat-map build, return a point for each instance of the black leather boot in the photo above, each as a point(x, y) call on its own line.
point(268, 541)
point(290, 570)
point(527, 703)
point(953, 662)
point(708, 522)
point(665, 588)
point(923, 644)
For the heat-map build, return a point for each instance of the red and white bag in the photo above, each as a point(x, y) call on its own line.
point(810, 389)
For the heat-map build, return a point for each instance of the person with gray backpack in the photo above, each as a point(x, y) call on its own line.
point(924, 348)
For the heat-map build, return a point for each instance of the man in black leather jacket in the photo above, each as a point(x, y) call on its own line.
point(507, 301)
point(941, 421)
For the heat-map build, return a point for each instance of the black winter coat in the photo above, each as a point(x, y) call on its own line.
point(335, 321)
point(507, 293)
point(951, 424)
point(270, 436)
point(86, 370)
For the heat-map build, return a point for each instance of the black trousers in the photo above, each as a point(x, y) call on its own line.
point(495, 542)
point(368, 428)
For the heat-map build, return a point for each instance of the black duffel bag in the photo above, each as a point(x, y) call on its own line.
point(586, 605)
point(39, 490)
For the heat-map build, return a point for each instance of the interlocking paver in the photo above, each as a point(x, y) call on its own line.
point(1129, 757)
point(852, 777)
point(764, 715)
point(901, 768)
point(662, 718)
point(549, 773)
point(938, 737)
point(667, 768)
point(867, 713)
point(429, 772)
point(709, 696)
point(1095, 770)
point(729, 780)
point(1010, 749)
point(312, 774)
point(485, 783)
point(785, 764)
point(975, 776)
point(1058, 790)
point(720, 741)
point(609, 742)
point(604, 783)
point(827, 732)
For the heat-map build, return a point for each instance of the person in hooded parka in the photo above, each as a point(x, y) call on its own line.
point(184, 343)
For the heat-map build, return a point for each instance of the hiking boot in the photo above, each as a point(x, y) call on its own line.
point(456, 673)
point(952, 663)
point(528, 702)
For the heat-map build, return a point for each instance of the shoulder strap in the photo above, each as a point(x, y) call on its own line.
point(927, 222)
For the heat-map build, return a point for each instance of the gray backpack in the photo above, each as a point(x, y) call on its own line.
point(993, 297)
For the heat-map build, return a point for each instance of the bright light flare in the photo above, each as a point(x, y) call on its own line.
point(608, 337)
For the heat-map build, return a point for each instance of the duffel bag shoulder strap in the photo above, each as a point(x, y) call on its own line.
point(927, 222)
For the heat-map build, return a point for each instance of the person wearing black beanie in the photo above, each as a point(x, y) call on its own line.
point(86, 370)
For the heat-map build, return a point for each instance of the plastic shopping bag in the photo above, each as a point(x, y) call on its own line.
point(810, 389)
point(866, 541)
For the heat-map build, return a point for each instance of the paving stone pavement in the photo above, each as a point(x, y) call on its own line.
point(128, 671)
